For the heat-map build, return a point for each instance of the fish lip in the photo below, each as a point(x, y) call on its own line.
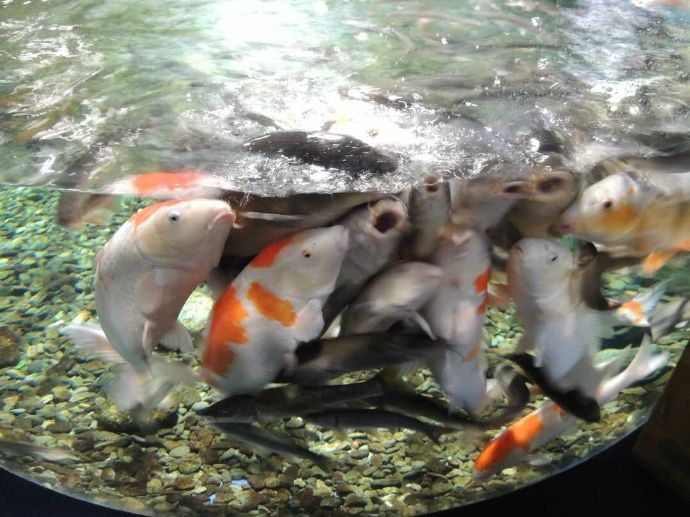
point(519, 250)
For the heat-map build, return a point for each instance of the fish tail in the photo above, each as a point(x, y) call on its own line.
point(636, 312)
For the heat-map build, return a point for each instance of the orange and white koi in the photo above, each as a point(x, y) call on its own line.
point(170, 185)
point(272, 306)
point(630, 213)
point(394, 295)
point(144, 275)
point(457, 313)
point(547, 287)
point(518, 441)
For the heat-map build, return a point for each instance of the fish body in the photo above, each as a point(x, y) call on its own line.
point(271, 441)
point(456, 313)
point(549, 291)
point(635, 214)
point(394, 295)
point(144, 275)
point(324, 359)
point(275, 303)
point(376, 231)
point(330, 150)
point(307, 211)
point(346, 418)
point(429, 207)
point(550, 421)
point(291, 400)
point(170, 185)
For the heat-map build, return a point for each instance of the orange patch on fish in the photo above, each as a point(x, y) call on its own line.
point(617, 218)
point(481, 309)
point(683, 245)
point(270, 305)
point(634, 308)
point(226, 328)
point(656, 260)
point(473, 354)
point(518, 436)
point(151, 182)
point(481, 283)
point(145, 213)
point(268, 255)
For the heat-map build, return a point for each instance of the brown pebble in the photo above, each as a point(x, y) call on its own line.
point(184, 483)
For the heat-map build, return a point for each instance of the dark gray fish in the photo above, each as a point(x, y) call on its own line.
point(310, 211)
point(18, 448)
point(374, 419)
point(417, 405)
point(329, 150)
point(573, 401)
point(323, 359)
point(287, 401)
point(272, 441)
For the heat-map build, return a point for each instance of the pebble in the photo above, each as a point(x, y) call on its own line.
point(199, 406)
point(154, 486)
point(321, 489)
point(179, 452)
point(184, 483)
point(189, 467)
point(61, 393)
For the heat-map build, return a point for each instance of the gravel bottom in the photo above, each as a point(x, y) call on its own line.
point(52, 397)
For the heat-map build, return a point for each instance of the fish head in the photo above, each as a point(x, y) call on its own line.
point(536, 267)
point(307, 263)
point(605, 210)
point(179, 230)
point(557, 188)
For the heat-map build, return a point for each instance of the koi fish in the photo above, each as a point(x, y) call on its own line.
point(545, 199)
point(144, 275)
point(456, 313)
point(547, 287)
point(635, 214)
point(395, 294)
point(274, 304)
point(376, 231)
point(75, 209)
point(329, 150)
point(550, 421)
point(429, 206)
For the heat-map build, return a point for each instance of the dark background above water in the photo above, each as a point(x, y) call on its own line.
point(609, 484)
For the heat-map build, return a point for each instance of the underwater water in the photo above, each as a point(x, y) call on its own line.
point(92, 92)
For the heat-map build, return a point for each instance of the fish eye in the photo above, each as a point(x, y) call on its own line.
point(608, 204)
point(554, 258)
point(549, 185)
point(173, 217)
point(306, 253)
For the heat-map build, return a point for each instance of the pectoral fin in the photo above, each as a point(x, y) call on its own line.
point(309, 323)
point(656, 260)
point(149, 294)
point(178, 339)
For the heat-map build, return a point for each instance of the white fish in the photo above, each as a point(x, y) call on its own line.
point(396, 294)
point(457, 313)
point(376, 231)
point(144, 275)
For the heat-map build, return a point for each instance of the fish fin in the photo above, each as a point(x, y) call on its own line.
point(656, 260)
point(309, 323)
point(500, 292)
point(494, 300)
point(262, 216)
point(178, 339)
point(91, 339)
point(423, 324)
point(99, 217)
point(683, 245)
point(538, 460)
point(147, 338)
point(645, 362)
point(177, 373)
point(127, 388)
point(636, 312)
